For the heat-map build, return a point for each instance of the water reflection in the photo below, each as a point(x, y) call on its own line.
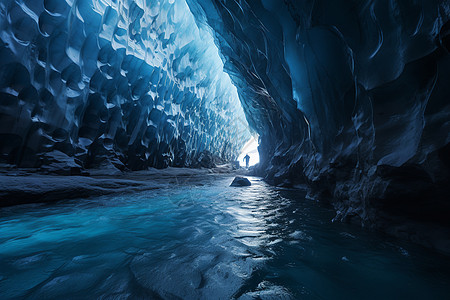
point(207, 242)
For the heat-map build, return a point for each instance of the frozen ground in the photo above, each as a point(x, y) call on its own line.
point(206, 241)
point(23, 186)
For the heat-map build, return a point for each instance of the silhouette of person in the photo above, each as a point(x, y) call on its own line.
point(247, 159)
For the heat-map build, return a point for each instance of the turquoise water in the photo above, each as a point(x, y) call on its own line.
point(208, 242)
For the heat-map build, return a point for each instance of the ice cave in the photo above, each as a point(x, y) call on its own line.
point(224, 149)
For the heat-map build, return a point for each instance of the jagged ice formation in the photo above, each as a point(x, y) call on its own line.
point(132, 83)
point(350, 97)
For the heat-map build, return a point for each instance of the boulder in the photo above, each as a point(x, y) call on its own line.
point(240, 181)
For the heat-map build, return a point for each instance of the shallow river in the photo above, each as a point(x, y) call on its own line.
point(206, 241)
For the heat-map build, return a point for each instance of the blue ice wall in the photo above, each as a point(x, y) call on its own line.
point(128, 83)
point(349, 97)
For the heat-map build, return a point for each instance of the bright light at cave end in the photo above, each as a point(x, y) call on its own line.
point(250, 148)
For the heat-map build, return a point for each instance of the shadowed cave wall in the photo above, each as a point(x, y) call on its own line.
point(349, 97)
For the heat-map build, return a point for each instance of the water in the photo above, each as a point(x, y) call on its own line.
point(209, 242)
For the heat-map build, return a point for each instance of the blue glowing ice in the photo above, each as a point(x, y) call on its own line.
point(133, 83)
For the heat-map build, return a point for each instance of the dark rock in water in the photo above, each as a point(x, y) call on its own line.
point(240, 181)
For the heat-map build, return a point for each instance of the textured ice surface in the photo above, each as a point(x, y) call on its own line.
point(206, 242)
point(133, 82)
point(352, 97)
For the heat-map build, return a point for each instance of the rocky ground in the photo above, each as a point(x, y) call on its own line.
point(23, 186)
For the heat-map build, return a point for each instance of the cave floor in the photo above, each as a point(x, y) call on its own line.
point(193, 236)
point(25, 186)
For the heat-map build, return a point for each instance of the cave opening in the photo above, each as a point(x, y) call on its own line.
point(250, 148)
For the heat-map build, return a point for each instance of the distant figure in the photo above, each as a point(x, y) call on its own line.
point(247, 159)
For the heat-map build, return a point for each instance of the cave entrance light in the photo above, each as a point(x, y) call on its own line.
point(250, 148)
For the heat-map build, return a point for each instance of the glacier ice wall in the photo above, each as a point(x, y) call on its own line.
point(351, 97)
point(101, 82)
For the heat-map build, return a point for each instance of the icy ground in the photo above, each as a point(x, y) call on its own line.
point(206, 241)
point(22, 186)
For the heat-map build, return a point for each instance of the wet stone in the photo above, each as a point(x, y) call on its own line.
point(241, 181)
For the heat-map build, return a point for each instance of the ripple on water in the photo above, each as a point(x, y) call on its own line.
point(205, 242)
